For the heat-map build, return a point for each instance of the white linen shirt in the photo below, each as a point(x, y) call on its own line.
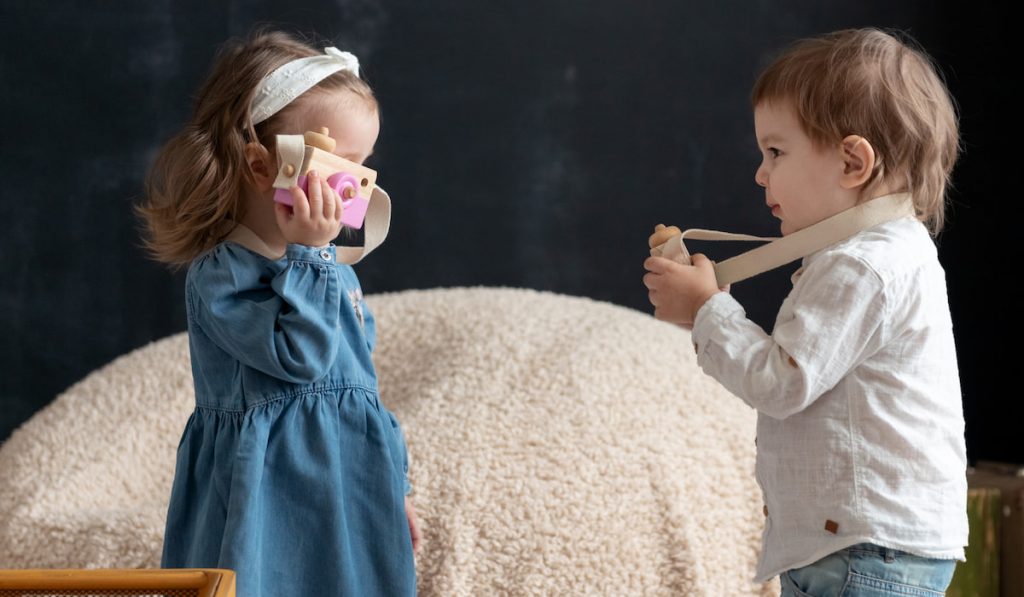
point(860, 429)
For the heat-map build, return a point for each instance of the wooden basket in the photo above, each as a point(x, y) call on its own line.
point(142, 583)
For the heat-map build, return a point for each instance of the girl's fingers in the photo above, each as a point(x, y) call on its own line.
point(330, 200)
point(314, 219)
point(283, 214)
point(315, 193)
point(300, 205)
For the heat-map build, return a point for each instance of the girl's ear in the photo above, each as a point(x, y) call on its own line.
point(261, 167)
point(858, 161)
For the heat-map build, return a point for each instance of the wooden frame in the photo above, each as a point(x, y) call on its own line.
point(208, 582)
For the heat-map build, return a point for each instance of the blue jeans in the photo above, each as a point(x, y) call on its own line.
point(867, 570)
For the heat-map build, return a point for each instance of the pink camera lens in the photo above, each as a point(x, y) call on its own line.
point(345, 185)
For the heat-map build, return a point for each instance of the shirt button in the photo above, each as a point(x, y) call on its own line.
point(325, 255)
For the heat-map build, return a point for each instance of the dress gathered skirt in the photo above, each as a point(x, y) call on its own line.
point(290, 471)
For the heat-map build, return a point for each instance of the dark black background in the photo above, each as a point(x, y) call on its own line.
point(529, 143)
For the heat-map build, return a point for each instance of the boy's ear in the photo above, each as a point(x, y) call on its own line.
point(261, 167)
point(858, 161)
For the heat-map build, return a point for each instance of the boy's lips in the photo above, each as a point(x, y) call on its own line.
point(774, 208)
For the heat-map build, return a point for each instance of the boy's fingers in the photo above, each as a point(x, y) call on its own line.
point(707, 267)
point(700, 261)
point(659, 265)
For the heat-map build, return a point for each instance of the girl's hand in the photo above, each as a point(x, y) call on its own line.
point(414, 525)
point(679, 291)
point(314, 221)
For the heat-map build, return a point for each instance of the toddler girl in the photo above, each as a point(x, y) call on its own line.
point(290, 471)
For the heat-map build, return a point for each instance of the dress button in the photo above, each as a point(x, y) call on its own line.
point(325, 255)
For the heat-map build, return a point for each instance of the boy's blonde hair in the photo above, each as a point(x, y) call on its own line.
point(867, 82)
point(197, 182)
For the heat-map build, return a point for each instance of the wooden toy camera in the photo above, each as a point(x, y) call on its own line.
point(298, 154)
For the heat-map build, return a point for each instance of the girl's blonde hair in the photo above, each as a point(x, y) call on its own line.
point(868, 82)
point(197, 182)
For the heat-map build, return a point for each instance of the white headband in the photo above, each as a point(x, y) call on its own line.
point(292, 79)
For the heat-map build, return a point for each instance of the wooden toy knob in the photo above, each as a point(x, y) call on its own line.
point(662, 234)
point(319, 139)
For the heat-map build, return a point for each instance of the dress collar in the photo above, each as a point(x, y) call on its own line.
point(244, 236)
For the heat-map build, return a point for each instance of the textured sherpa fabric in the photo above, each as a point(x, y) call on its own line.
point(558, 446)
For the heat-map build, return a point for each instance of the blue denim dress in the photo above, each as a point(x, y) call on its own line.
point(290, 471)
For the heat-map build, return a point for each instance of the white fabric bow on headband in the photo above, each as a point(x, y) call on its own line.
point(292, 79)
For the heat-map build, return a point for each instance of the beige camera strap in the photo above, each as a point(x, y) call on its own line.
point(780, 251)
point(375, 228)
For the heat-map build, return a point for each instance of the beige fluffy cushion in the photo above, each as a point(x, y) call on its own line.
point(558, 445)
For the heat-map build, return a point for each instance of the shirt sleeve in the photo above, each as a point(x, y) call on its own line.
point(829, 324)
point(285, 326)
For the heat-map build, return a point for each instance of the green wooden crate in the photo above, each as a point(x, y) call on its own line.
point(979, 575)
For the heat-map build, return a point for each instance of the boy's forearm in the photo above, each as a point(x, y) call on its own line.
point(747, 361)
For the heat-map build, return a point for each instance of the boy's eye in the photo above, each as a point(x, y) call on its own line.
point(774, 152)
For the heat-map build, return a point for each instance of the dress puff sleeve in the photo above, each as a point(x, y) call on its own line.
point(281, 318)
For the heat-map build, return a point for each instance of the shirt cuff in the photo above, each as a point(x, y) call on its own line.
point(710, 317)
point(319, 255)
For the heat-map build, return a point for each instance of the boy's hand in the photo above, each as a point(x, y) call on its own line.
point(679, 291)
point(313, 221)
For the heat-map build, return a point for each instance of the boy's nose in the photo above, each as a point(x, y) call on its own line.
point(761, 177)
